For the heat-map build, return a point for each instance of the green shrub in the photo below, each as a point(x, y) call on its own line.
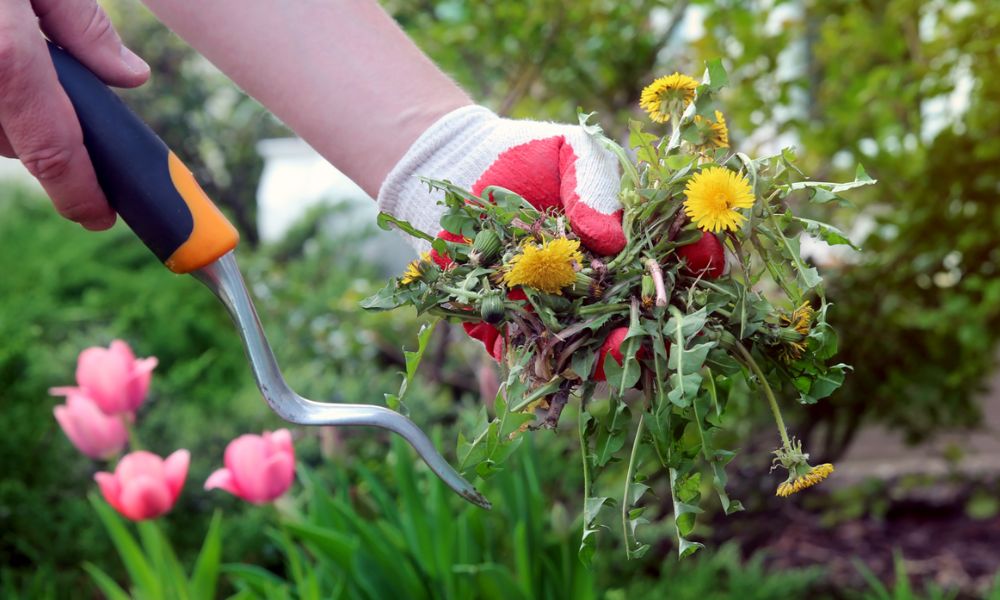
point(64, 289)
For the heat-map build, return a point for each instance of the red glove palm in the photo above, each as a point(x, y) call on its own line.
point(554, 167)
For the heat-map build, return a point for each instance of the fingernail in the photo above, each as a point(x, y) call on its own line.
point(133, 62)
point(100, 223)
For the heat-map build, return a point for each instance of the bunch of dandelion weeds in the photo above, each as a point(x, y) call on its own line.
point(710, 289)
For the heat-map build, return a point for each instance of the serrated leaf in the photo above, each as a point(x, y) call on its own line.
point(611, 434)
point(386, 221)
point(715, 74)
point(616, 375)
point(828, 382)
point(582, 363)
point(591, 507)
point(689, 325)
point(588, 545)
point(688, 360)
point(635, 492)
point(686, 548)
point(861, 179)
point(640, 551)
point(828, 233)
point(385, 299)
point(440, 246)
point(684, 514)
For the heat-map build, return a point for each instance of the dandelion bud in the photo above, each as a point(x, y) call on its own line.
point(648, 290)
point(485, 248)
point(491, 308)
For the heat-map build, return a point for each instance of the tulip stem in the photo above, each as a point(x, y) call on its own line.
point(133, 437)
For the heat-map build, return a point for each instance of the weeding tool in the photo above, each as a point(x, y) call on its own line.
point(159, 199)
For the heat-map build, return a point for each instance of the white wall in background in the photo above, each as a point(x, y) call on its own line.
point(296, 178)
point(13, 170)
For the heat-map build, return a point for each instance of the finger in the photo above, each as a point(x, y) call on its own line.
point(84, 29)
point(5, 148)
point(40, 124)
point(589, 187)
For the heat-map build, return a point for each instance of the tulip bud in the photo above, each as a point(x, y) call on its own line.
point(144, 486)
point(112, 377)
point(94, 433)
point(259, 468)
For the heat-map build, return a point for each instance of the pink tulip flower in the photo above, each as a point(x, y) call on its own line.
point(113, 377)
point(92, 432)
point(145, 486)
point(259, 468)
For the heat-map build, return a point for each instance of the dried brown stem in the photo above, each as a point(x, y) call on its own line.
point(556, 405)
point(657, 274)
point(679, 221)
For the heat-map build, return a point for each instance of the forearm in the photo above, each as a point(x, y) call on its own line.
point(340, 73)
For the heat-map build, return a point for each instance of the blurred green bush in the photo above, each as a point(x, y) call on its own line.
point(64, 289)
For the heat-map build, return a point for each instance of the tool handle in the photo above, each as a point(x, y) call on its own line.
point(144, 181)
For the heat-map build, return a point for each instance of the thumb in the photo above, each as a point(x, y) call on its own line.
point(589, 187)
point(83, 28)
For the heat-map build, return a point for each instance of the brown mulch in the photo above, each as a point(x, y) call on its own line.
point(939, 542)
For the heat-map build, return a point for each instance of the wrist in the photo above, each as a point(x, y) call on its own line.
point(442, 147)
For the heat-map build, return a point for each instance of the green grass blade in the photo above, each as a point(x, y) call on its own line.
point(104, 583)
point(252, 577)
point(138, 567)
point(339, 548)
point(206, 567)
point(170, 573)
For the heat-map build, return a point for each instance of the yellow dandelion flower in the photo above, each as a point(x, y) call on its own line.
point(415, 270)
point(801, 318)
point(668, 95)
point(813, 476)
point(715, 134)
point(712, 197)
point(800, 321)
point(548, 267)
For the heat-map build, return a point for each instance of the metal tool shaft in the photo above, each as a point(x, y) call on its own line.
point(224, 279)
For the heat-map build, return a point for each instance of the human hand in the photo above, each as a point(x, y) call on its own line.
point(37, 122)
point(554, 167)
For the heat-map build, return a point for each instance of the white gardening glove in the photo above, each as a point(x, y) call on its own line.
point(552, 166)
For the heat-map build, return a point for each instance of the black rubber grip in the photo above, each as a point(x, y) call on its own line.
point(131, 161)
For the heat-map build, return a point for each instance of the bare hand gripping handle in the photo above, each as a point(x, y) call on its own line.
point(158, 198)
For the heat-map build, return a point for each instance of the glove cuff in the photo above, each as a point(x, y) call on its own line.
point(443, 148)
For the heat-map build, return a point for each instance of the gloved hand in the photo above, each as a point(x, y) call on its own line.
point(552, 166)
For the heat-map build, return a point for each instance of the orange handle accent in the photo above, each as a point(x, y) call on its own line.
point(212, 236)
